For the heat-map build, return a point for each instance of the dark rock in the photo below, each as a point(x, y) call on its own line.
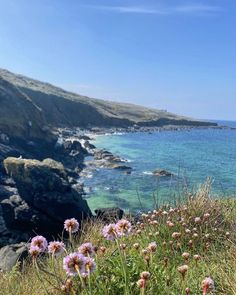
point(11, 254)
point(71, 154)
point(118, 166)
point(88, 145)
point(162, 173)
point(44, 199)
point(109, 214)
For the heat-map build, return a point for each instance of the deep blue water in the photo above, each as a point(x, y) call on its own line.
point(191, 155)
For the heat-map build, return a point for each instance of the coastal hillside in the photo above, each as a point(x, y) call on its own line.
point(30, 104)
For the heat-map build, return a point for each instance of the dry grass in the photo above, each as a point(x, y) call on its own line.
point(118, 270)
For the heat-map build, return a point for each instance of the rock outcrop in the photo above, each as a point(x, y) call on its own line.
point(40, 201)
point(162, 173)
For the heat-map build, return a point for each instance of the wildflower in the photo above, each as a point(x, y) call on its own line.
point(123, 246)
point(206, 215)
point(86, 249)
point(110, 232)
point(187, 290)
point(186, 255)
point(40, 242)
point(176, 235)
point(34, 251)
point(136, 246)
point(195, 235)
point(190, 243)
point(196, 257)
point(145, 251)
point(74, 263)
point(197, 220)
point(227, 234)
point(67, 286)
point(207, 285)
point(71, 225)
point(141, 283)
point(145, 275)
point(170, 224)
point(89, 264)
point(188, 231)
point(152, 247)
point(56, 248)
point(103, 249)
point(183, 270)
point(123, 227)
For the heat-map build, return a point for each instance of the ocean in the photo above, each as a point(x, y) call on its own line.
point(191, 155)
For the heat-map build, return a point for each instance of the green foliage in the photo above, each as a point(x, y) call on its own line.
point(120, 263)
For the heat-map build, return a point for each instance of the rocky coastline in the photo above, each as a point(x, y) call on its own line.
point(40, 182)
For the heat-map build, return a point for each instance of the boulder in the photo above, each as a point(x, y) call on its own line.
point(109, 214)
point(43, 200)
point(11, 254)
point(162, 173)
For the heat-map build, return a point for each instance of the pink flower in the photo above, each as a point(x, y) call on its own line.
point(152, 247)
point(86, 249)
point(74, 263)
point(56, 248)
point(40, 242)
point(123, 227)
point(90, 265)
point(207, 285)
point(34, 251)
point(110, 232)
point(71, 225)
point(141, 283)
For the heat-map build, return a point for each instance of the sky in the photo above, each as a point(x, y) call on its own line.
point(177, 55)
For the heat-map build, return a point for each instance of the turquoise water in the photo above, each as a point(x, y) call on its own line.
point(191, 155)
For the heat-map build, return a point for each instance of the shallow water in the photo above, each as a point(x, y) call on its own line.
point(191, 155)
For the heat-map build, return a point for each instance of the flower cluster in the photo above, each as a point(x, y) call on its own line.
point(78, 264)
point(113, 231)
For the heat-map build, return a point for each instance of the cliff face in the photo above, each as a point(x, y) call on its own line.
point(27, 100)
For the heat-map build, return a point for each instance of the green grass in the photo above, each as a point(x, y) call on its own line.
point(119, 270)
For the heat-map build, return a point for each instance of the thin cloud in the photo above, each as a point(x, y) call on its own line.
point(194, 9)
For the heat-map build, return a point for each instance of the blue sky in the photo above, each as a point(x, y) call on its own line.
point(178, 55)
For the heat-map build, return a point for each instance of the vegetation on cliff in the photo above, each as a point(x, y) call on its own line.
point(189, 249)
point(28, 107)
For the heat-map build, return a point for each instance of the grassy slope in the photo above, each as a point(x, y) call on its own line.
point(217, 253)
point(60, 107)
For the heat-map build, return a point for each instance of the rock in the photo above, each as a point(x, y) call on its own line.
point(118, 166)
point(162, 173)
point(11, 254)
point(109, 214)
point(43, 200)
point(70, 153)
point(88, 145)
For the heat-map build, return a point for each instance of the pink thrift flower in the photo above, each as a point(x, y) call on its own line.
point(34, 251)
point(90, 265)
point(74, 263)
point(56, 248)
point(71, 225)
point(110, 232)
point(207, 285)
point(86, 249)
point(123, 227)
point(40, 242)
